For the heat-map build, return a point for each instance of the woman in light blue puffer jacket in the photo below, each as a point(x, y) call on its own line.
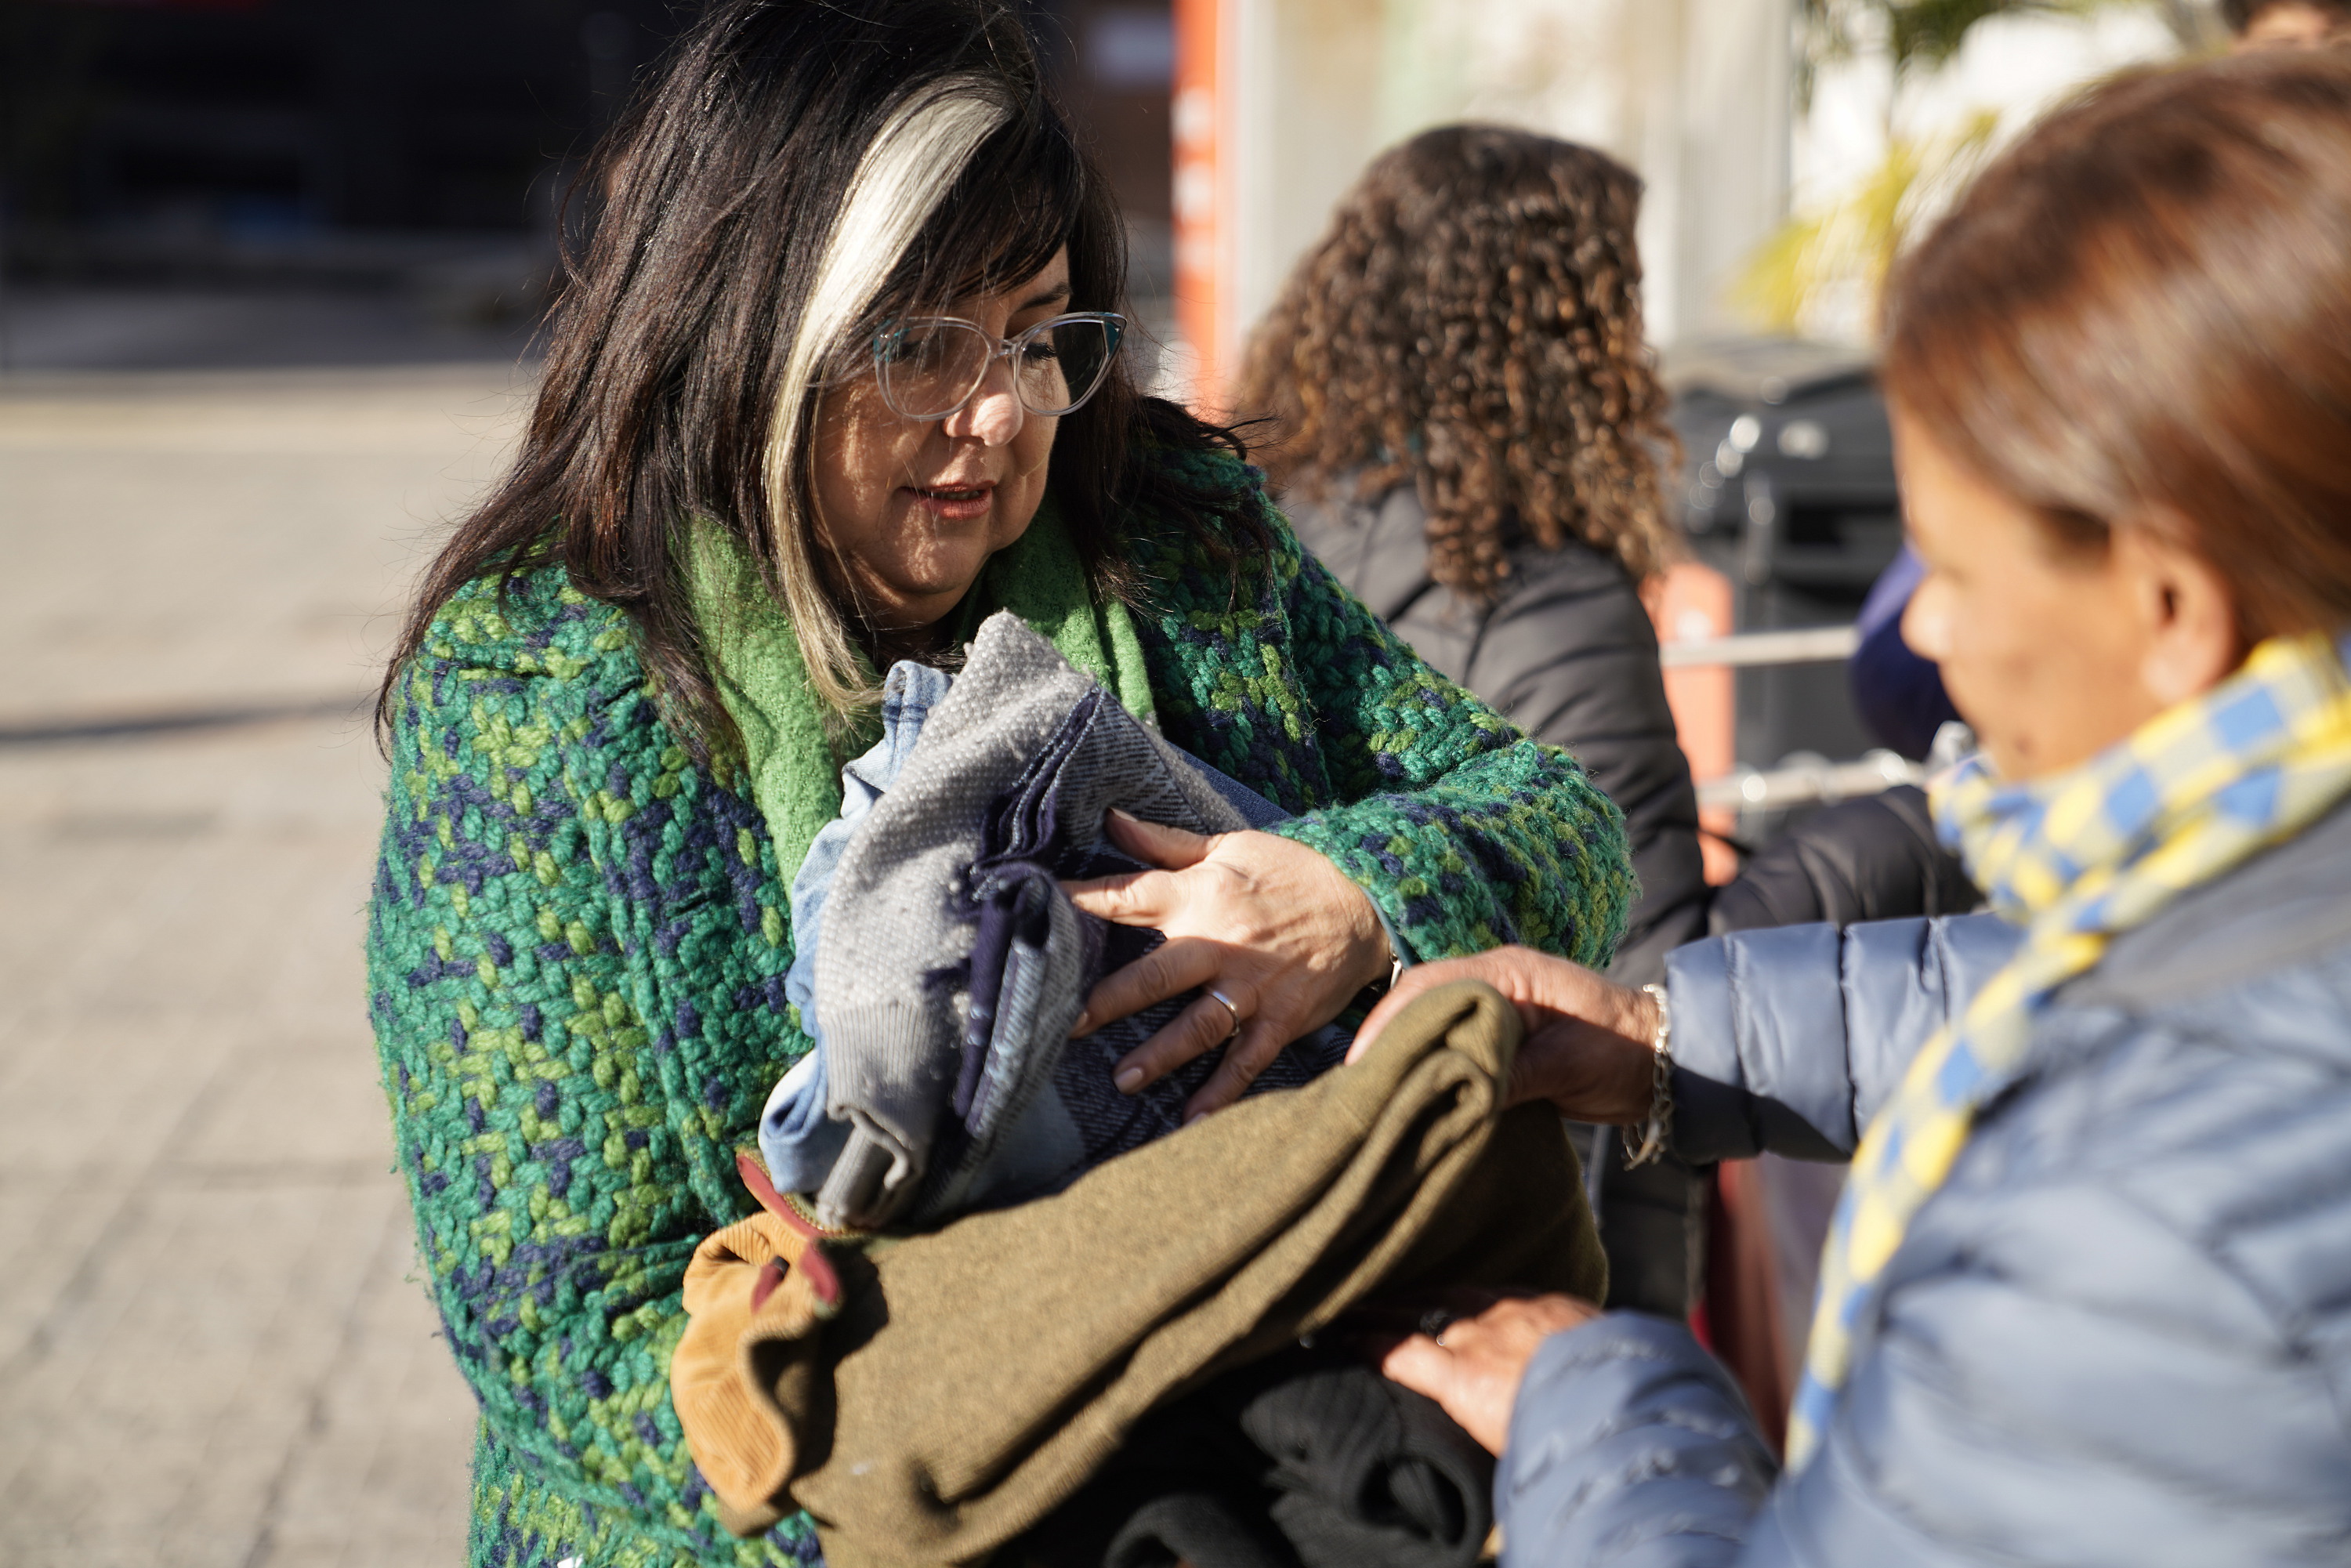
point(2088, 1297)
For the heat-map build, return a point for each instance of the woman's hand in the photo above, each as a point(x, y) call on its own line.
point(1272, 924)
point(1473, 1366)
point(1587, 1045)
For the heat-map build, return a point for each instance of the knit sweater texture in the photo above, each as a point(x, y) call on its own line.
point(578, 938)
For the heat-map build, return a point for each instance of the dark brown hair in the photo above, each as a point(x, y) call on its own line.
point(1471, 322)
point(663, 394)
point(2141, 315)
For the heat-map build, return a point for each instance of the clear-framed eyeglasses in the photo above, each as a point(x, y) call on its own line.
point(931, 366)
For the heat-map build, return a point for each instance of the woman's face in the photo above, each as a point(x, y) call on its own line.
point(2052, 653)
point(911, 511)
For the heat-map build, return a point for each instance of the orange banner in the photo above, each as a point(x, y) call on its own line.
point(1203, 203)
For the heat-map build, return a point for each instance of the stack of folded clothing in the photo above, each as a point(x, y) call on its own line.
point(953, 1397)
point(1078, 1341)
point(941, 966)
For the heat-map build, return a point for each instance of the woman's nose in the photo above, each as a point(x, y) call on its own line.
point(994, 414)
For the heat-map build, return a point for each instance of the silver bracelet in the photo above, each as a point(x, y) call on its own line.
point(1652, 1141)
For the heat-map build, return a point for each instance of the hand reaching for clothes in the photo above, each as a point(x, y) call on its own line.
point(1271, 925)
point(1587, 1043)
point(1473, 1366)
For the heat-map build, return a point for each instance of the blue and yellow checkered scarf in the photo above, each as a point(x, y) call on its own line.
point(2075, 859)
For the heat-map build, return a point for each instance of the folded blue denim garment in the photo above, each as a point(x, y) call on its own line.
point(1048, 830)
point(797, 1139)
point(1020, 1110)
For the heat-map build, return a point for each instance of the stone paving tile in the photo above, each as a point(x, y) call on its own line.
point(385, 1450)
point(215, 1346)
point(35, 1260)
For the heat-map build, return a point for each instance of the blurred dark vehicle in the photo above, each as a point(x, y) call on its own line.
point(1788, 489)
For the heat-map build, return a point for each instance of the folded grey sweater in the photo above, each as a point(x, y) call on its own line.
point(951, 966)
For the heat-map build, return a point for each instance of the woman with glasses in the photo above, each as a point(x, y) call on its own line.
point(838, 376)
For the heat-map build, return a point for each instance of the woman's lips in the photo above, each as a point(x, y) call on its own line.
point(955, 503)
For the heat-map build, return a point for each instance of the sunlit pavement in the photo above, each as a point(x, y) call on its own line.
point(213, 1349)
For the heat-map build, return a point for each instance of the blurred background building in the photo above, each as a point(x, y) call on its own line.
point(270, 275)
point(415, 154)
point(1738, 114)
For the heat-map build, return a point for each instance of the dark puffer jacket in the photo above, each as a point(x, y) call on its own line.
point(1567, 652)
point(2121, 1332)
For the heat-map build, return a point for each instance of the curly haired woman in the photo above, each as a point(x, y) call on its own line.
point(1470, 437)
point(835, 377)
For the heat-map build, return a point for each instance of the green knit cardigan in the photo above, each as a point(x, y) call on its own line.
point(578, 937)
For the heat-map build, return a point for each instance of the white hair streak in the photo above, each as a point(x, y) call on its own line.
point(907, 171)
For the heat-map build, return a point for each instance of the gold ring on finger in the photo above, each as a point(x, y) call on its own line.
point(1226, 1002)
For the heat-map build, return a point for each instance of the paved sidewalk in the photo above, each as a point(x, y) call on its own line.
point(213, 1346)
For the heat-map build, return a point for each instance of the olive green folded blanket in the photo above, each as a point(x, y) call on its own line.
point(928, 1399)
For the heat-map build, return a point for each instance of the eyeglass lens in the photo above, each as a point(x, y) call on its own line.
point(930, 368)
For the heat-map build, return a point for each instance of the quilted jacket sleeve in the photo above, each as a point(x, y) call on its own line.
point(568, 1053)
point(1629, 1448)
point(1466, 833)
point(1788, 1039)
